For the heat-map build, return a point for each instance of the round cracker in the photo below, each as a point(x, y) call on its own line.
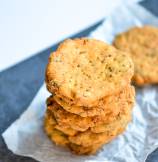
point(85, 139)
point(59, 138)
point(86, 70)
point(78, 123)
point(142, 44)
point(122, 119)
point(109, 105)
point(88, 138)
point(120, 122)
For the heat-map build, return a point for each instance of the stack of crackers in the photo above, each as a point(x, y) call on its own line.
point(92, 96)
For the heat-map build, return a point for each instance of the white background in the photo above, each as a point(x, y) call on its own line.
point(28, 26)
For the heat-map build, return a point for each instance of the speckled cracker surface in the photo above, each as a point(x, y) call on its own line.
point(142, 45)
point(109, 105)
point(71, 68)
point(78, 123)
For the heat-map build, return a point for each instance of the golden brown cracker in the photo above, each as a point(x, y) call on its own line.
point(70, 71)
point(109, 105)
point(142, 45)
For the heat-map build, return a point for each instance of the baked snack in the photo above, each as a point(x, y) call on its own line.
point(81, 150)
point(57, 136)
point(142, 45)
point(109, 105)
point(119, 123)
point(89, 140)
point(70, 71)
point(76, 122)
point(92, 98)
point(61, 139)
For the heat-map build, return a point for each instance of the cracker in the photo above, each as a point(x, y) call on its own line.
point(79, 123)
point(86, 70)
point(142, 44)
point(109, 105)
point(55, 135)
point(81, 150)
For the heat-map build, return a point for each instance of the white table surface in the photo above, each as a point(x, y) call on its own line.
point(26, 27)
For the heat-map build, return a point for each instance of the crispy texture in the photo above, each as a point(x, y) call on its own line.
point(142, 44)
point(83, 142)
point(122, 119)
point(108, 132)
point(66, 130)
point(55, 135)
point(109, 105)
point(76, 122)
point(68, 120)
point(119, 123)
point(81, 150)
point(70, 71)
point(84, 139)
point(59, 138)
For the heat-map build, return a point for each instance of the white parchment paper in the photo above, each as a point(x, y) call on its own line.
point(26, 137)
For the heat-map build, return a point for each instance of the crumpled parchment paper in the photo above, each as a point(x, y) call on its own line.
point(26, 137)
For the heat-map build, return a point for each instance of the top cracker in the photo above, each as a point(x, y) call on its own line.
point(142, 44)
point(86, 70)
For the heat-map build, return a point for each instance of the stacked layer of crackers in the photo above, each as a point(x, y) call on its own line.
point(92, 96)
